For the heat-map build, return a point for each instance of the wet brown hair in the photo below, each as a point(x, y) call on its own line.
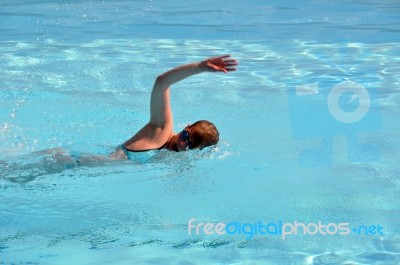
point(203, 133)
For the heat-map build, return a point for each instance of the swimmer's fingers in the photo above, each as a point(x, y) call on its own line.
point(221, 64)
point(230, 65)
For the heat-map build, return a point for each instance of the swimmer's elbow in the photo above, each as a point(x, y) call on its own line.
point(160, 79)
point(160, 83)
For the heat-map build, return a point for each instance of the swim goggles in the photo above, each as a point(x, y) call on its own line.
point(185, 136)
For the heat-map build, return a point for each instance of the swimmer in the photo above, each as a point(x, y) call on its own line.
point(158, 132)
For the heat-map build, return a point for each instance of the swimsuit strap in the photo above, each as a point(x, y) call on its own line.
point(166, 143)
point(127, 150)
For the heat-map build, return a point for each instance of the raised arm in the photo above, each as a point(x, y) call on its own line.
point(160, 110)
point(159, 130)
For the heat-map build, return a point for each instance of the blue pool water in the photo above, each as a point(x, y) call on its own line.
point(76, 78)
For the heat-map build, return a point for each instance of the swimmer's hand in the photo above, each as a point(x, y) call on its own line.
point(220, 64)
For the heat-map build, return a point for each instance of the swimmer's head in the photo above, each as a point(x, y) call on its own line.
point(198, 135)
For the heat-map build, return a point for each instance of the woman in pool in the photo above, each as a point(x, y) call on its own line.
point(158, 133)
